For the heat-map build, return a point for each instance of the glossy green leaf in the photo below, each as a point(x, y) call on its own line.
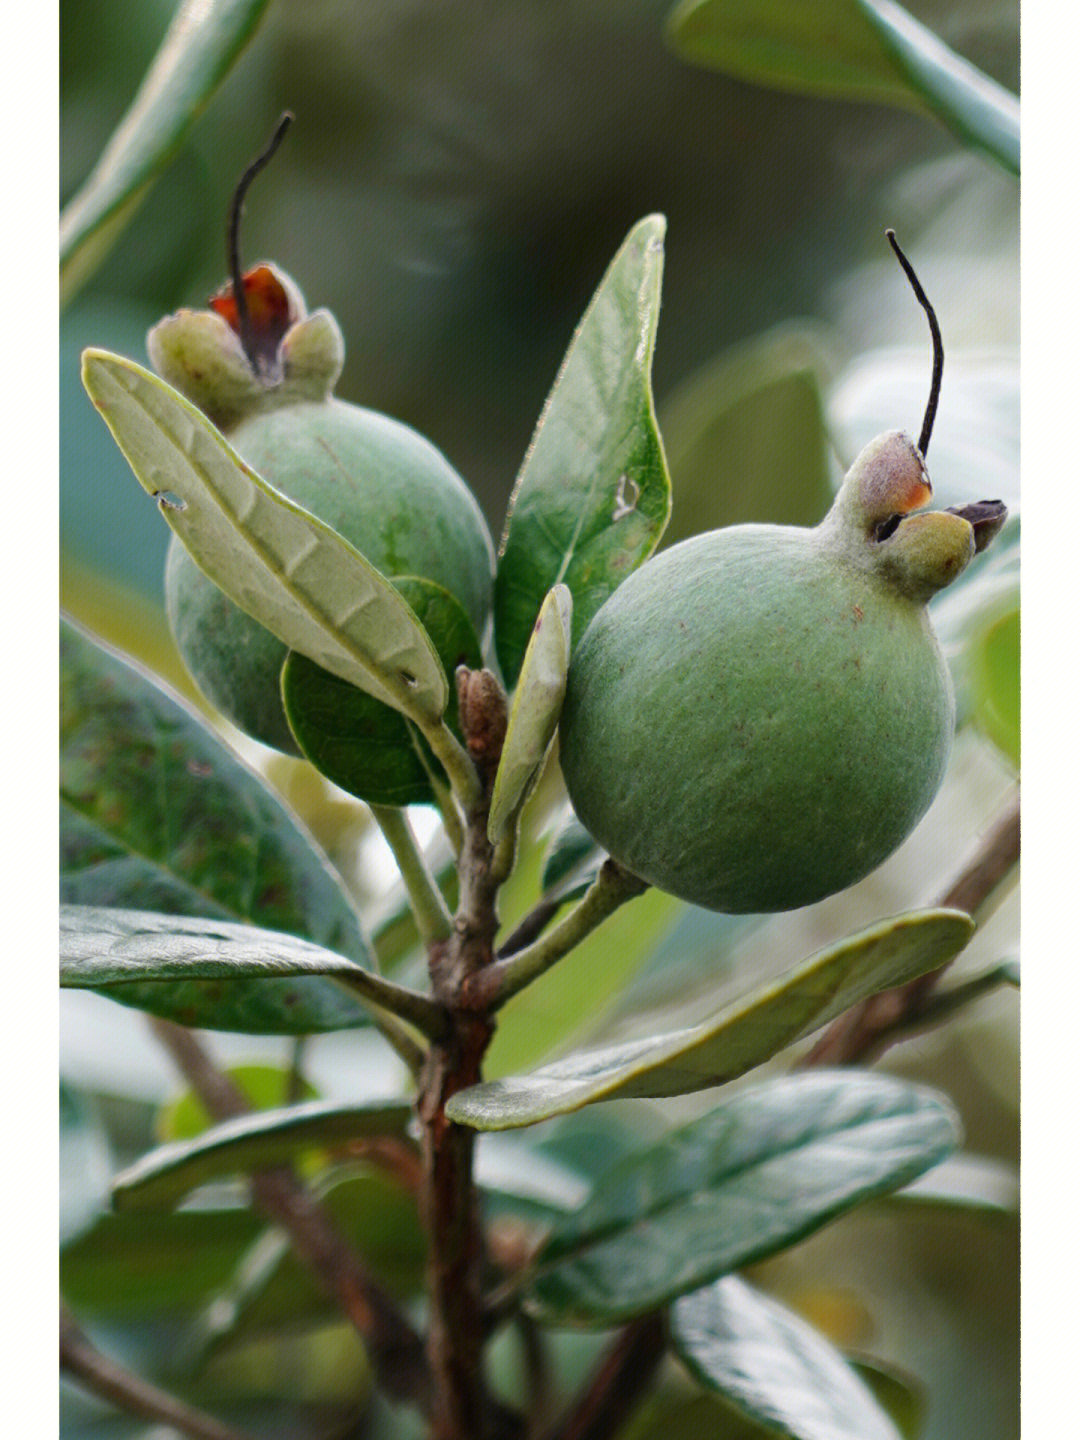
point(534, 711)
point(593, 496)
point(156, 813)
point(217, 975)
point(366, 747)
point(766, 1168)
point(850, 49)
point(203, 41)
point(294, 574)
point(250, 1143)
point(733, 1041)
point(773, 1366)
point(745, 436)
point(995, 683)
point(85, 1164)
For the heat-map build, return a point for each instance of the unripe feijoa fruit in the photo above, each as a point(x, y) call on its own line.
point(760, 715)
point(376, 481)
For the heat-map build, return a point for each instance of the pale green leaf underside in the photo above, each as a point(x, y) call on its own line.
point(279, 563)
point(534, 712)
point(733, 1041)
point(203, 41)
point(250, 1143)
point(127, 954)
point(773, 1366)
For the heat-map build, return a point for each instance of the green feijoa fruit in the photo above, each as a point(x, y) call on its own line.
point(383, 487)
point(760, 715)
point(363, 746)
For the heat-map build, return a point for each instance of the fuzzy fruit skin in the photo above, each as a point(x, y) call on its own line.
point(755, 719)
point(382, 486)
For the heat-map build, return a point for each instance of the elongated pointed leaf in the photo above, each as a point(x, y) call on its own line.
point(193, 971)
point(285, 567)
point(773, 1366)
point(534, 712)
point(250, 1143)
point(363, 746)
point(156, 813)
point(850, 49)
point(199, 49)
point(741, 1036)
point(760, 1172)
point(593, 495)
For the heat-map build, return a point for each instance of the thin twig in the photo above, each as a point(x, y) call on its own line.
point(395, 1349)
point(619, 1382)
point(84, 1362)
point(613, 886)
point(531, 926)
point(433, 919)
point(868, 1029)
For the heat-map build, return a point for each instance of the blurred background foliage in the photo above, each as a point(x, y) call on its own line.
point(458, 177)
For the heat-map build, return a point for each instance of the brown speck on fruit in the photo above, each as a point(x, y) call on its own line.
point(857, 611)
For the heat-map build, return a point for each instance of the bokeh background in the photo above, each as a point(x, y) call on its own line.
point(459, 174)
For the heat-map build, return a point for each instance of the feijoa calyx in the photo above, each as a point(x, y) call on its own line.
point(760, 715)
point(376, 481)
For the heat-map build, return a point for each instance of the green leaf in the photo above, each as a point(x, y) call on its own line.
point(733, 1041)
point(966, 1182)
point(854, 50)
point(363, 746)
point(534, 713)
point(271, 1289)
point(745, 436)
point(573, 857)
point(148, 1262)
point(773, 1366)
point(244, 977)
point(85, 1164)
point(264, 1087)
point(294, 574)
point(593, 496)
point(995, 682)
point(250, 1143)
point(763, 1170)
point(977, 110)
point(156, 813)
point(203, 41)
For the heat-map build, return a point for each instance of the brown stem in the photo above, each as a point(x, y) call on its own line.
point(83, 1361)
point(619, 1382)
point(868, 1029)
point(394, 1347)
point(457, 1260)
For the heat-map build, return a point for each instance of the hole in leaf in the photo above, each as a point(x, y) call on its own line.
point(167, 500)
point(409, 680)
